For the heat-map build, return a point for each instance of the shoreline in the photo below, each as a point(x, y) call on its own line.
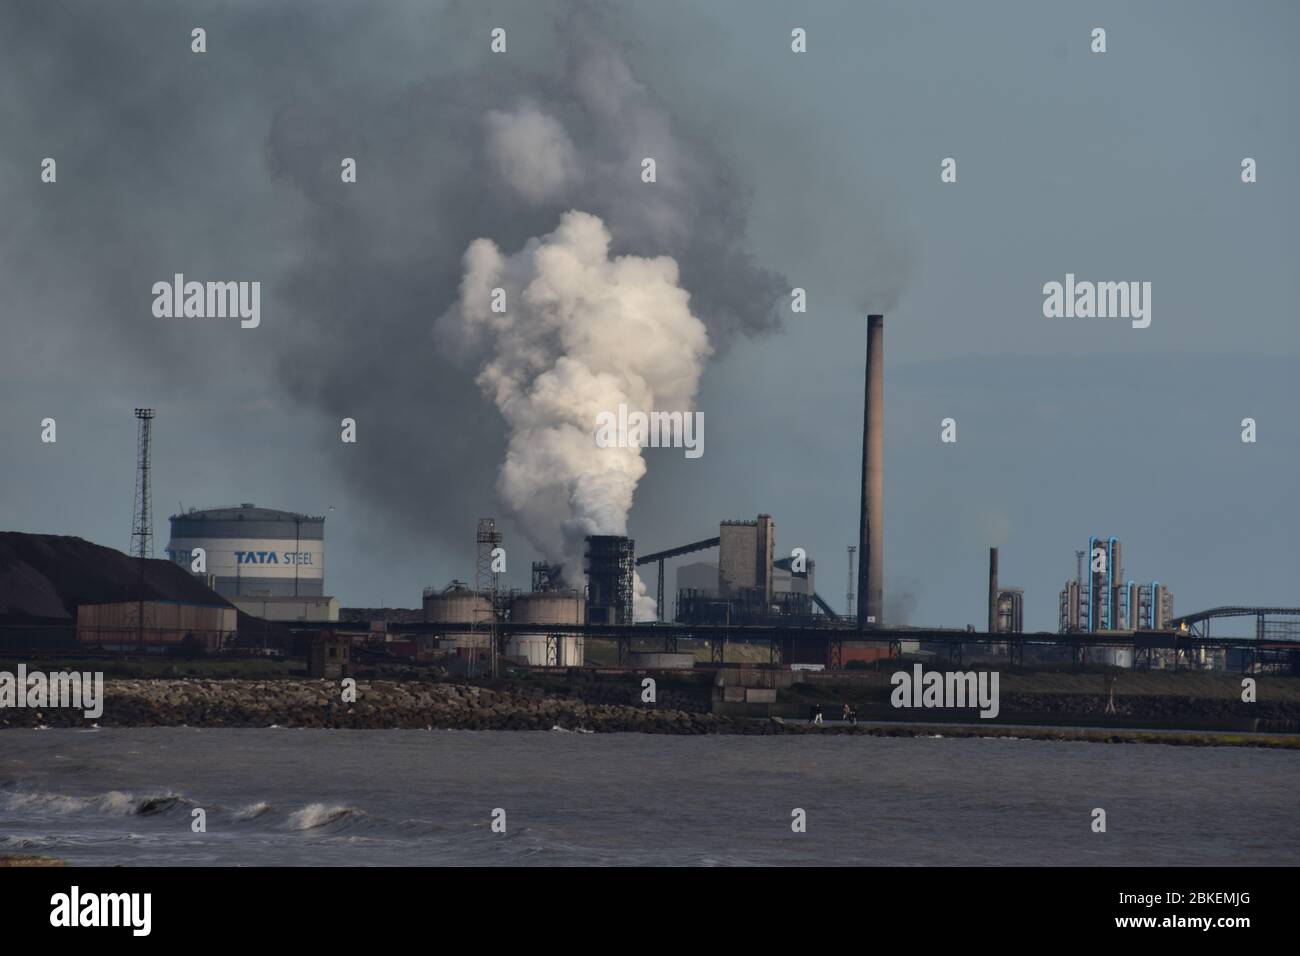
point(426, 705)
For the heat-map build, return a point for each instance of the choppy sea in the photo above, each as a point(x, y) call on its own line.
point(276, 797)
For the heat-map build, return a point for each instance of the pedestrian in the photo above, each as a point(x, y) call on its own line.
point(817, 714)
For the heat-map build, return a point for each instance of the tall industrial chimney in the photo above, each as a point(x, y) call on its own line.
point(871, 537)
point(993, 590)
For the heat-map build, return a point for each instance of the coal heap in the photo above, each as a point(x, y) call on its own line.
point(44, 577)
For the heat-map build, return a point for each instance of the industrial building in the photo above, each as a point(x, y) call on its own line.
point(551, 605)
point(759, 599)
point(698, 576)
point(747, 585)
point(268, 563)
point(156, 625)
point(289, 608)
point(1100, 599)
point(1006, 604)
point(610, 566)
point(1010, 611)
point(787, 580)
point(751, 586)
point(745, 557)
point(329, 656)
point(457, 603)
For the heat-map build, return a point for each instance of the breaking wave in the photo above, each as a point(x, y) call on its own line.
point(316, 815)
point(253, 811)
point(114, 802)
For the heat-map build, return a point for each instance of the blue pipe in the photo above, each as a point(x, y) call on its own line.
point(1092, 543)
point(1110, 586)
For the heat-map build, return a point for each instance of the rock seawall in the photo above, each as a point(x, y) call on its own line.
point(424, 705)
point(379, 704)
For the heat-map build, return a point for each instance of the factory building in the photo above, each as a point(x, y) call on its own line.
point(268, 563)
point(786, 580)
point(289, 608)
point(549, 609)
point(700, 576)
point(1006, 604)
point(153, 626)
point(747, 586)
point(1099, 598)
point(1010, 611)
point(745, 558)
point(610, 563)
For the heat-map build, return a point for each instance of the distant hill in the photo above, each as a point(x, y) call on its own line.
point(45, 577)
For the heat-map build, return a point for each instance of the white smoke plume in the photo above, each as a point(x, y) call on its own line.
point(581, 334)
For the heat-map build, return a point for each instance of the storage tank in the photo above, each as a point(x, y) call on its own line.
point(456, 604)
point(252, 551)
point(548, 649)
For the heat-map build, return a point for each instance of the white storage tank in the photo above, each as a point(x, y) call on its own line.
point(548, 649)
point(253, 552)
point(456, 604)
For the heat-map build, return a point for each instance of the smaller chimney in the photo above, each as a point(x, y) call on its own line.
point(993, 590)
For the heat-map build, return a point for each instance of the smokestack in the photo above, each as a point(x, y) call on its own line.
point(871, 529)
point(993, 590)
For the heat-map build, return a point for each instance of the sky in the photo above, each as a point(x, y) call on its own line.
point(818, 170)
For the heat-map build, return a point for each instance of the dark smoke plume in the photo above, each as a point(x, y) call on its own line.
point(226, 165)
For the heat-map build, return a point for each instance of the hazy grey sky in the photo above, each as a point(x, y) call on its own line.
point(818, 170)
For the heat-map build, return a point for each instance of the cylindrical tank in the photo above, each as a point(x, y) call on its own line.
point(252, 551)
point(548, 649)
point(548, 607)
point(457, 606)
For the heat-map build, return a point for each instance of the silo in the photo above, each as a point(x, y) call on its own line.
point(456, 604)
point(252, 551)
point(548, 608)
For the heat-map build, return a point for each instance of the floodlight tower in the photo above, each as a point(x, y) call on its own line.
point(142, 516)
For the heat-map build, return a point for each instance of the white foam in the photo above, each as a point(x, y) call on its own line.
point(317, 815)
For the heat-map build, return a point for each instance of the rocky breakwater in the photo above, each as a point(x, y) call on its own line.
point(378, 704)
